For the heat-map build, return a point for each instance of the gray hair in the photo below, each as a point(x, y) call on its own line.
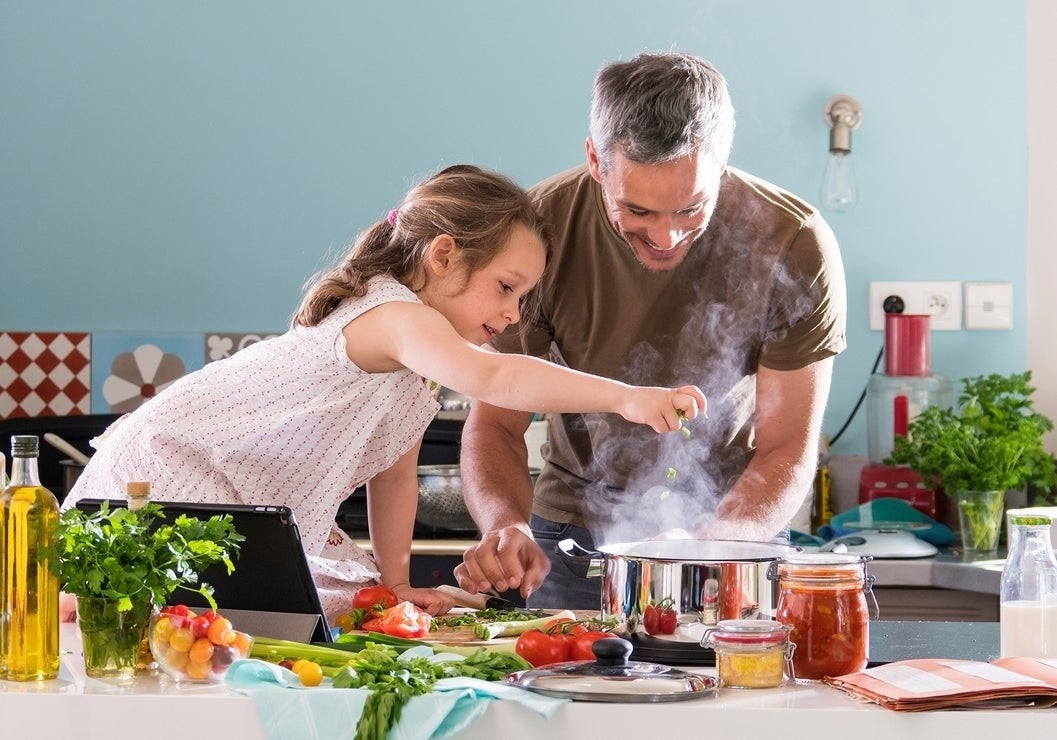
point(659, 107)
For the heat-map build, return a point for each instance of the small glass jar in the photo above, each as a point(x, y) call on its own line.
point(750, 653)
point(822, 598)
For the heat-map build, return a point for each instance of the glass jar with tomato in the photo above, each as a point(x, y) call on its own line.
point(822, 598)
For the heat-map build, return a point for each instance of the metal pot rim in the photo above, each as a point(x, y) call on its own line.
point(696, 550)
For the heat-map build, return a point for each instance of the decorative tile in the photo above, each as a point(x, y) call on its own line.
point(128, 369)
point(45, 374)
point(220, 345)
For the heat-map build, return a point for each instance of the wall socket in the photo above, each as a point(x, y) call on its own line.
point(941, 300)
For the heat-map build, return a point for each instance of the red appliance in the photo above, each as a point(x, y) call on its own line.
point(895, 397)
point(885, 481)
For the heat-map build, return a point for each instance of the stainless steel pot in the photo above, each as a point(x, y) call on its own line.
point(440, 501)
point(705, 580)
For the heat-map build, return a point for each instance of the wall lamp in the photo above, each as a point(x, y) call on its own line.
point(843, 115)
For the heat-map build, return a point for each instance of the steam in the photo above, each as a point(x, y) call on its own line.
point(717, 349)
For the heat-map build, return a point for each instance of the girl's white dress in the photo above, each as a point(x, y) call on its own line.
point(286, 421)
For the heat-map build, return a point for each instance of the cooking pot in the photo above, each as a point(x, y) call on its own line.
point(440, 501)
point(702, 581)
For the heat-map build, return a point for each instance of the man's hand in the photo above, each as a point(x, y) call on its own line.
point(504, 559)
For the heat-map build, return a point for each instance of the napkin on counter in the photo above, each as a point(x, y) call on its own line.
point(286, 709)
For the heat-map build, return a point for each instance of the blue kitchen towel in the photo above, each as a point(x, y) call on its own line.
point(286, 709)
point(894, 512)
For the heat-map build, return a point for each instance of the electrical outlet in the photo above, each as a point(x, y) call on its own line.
point(940, 300)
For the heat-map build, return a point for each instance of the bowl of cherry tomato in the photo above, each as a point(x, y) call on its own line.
point(195, 647)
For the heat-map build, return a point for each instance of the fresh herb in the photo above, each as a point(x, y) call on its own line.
point(487, 615)
point(129, 556)
point(392, 680)
point(490, 630)
point(993, 440)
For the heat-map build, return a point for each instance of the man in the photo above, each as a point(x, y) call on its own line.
point(666, 264)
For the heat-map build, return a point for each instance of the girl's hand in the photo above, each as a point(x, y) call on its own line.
point(664, 409)
point(427, 599)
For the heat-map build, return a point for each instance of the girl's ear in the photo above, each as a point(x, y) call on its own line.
point(442, 254)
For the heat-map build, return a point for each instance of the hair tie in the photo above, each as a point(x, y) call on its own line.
point(391, 218)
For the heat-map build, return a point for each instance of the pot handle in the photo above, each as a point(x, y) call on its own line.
point(579, 560)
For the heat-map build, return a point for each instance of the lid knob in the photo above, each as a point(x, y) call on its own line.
point(612, 651)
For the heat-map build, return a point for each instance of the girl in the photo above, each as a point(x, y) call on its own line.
point(344, 397)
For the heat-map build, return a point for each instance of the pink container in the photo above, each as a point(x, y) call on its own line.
point(907, 345)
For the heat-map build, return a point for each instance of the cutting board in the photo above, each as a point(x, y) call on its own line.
point(465, 635)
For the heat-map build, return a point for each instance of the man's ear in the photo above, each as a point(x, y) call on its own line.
point(442, 254)
point(593, 165)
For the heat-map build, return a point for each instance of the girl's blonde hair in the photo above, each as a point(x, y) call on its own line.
point(479, 209)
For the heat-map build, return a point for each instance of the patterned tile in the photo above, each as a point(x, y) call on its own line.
point(45, 374)
point(127, 369)
point(219, 345)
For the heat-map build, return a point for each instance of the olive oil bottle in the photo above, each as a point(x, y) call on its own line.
point(29, 587)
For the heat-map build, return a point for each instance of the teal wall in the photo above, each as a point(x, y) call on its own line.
point(185, 166)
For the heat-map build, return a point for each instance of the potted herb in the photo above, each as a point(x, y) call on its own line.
point(120, 563)
point(990, 443)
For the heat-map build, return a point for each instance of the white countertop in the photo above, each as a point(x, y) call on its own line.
point(74, 706)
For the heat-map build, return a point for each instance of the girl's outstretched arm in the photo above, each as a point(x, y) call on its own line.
point(418, 337)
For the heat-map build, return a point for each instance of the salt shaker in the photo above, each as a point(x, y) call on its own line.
point(1028, 600)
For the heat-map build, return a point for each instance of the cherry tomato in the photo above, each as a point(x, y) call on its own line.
point(310, 673)
point(221, 632)
point(374, 596)
point(199, 626)
point(660, 619)
point(540, 648)
point(580, 649)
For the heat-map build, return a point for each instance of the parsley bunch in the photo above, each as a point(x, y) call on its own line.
point(137, 557)
point(991, 442)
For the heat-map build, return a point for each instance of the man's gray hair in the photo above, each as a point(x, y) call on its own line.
point(659, 107)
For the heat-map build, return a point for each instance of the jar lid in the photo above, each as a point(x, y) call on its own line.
point(746, 632)
point(612, 678)
point(1037, 520)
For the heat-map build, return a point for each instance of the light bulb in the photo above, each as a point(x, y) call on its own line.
point(838, 184)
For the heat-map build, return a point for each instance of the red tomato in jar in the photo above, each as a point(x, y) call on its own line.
point(660, 619)
point(540, 648)
point(372, 597)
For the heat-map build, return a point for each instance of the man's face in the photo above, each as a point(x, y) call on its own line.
point(659, 209)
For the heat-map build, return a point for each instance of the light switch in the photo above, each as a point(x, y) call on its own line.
point(988, 305)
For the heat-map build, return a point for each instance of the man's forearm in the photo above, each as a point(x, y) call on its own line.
point(494, 464)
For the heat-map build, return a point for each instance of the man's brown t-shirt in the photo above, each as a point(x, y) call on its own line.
point(764, 285)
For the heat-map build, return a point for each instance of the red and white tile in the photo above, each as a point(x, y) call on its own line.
point(45, 374)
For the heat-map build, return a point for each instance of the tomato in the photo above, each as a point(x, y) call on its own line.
point(580, 649)
point(403, 620)
point(540, 648)
point(660, 619)
point(200, 626)
point(372, 597)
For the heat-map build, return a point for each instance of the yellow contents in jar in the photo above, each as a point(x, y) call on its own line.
point(750, 670)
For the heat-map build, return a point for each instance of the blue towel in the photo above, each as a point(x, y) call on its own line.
point(889, 510)
point(286, 709)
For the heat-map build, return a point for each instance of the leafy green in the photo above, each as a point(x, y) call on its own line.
point(992, 441)
point(391, 680)
point(131, 556)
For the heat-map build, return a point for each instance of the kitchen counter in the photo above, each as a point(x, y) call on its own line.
point(76, 706)
point(944, 570)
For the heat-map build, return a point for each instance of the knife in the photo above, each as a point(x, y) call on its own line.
point(476, 601)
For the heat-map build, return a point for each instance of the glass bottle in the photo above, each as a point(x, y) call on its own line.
point(1028, 598)
point(822, 598)
point(138, 492)
point(29, 587)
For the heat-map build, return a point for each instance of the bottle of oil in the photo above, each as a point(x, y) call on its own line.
point(29, 587)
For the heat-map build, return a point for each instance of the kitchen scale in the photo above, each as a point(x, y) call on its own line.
point(883, 540)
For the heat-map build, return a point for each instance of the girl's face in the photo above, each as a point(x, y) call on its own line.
point(481, 307)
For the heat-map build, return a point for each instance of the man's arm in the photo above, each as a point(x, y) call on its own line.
point(789, 406)
point(498, 493)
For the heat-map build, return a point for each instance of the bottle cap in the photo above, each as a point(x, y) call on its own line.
point(24, 445)
point(1030, 521)
point(138, 488)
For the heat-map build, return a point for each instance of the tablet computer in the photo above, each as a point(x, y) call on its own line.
point(271, 592)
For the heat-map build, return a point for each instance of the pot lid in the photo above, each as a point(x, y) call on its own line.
point(612, 678)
